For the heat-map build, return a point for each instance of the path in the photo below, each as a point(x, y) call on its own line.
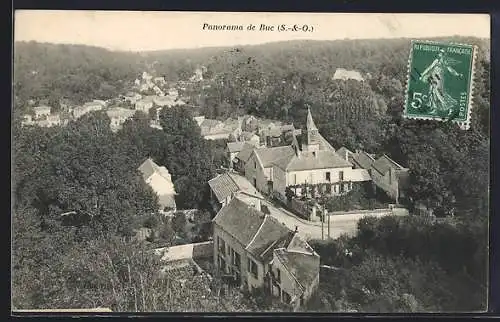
point(339, 224)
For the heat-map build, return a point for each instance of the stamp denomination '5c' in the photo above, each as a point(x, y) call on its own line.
point(440, 82)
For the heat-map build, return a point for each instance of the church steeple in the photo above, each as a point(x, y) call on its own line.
point(310, 122)
point(312, 133)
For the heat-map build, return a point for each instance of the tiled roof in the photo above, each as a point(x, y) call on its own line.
point(344, 153)
point(269, 155)
point(245, 152)
point(363, 159)
point(268, 238)
point(239, 220)
point(307, 161)
point(384, 164)
point(235, 146)
point(228, 183)
point(304, 267)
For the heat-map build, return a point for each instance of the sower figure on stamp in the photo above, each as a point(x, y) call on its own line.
point(439, 100)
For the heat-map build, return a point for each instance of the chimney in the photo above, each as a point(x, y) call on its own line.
point(257, 204)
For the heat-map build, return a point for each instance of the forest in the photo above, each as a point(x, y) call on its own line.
point(87, 169)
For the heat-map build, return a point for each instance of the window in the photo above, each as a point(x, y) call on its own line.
point(236, 259)
point(314, 153)
point(286, 297)
point(254, 164)
point(328, 178)
point(341, 188)
point(222, 264)
point(252, 268)
point(254, 182)
point(278, 275)
point(222, 246)
point(341, 175)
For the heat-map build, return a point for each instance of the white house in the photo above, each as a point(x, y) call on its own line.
point(41, 111)
point(159, 179)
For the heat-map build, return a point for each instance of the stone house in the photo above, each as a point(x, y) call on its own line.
point(256, 251)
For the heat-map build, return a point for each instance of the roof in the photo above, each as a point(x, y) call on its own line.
point(344, 153)
point(303, 266)
point(269, 155)
point(228, 183)
point(363, 159)
point(239, 220)
point(42, 107)
point(235, 146)
point(271, 235)
point(308, 161)
point(384, 164)
point(342, 73)
point(119, 112)
point(148, 168)
point(245, 152)
point(248, 135)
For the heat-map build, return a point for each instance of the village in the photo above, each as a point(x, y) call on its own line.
point(270, 200)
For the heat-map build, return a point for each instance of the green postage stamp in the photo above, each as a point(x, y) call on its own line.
point(440, 82)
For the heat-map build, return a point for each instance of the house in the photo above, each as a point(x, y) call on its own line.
point(132, 97)
point(216, 130)
point(199, 119)
point(259, 167)
point(118, 116)
point(314, 162)
point(159, 80)
point(27, 120)
point(249, 137)
point(159, 179)
point(145, 104)
point(225, 186)
point(50, 121)
point(255, 251)
point(242, 157)
point(390, 177)
point(100, 102)
point(88, 107)
point(232, 149)
point(344, 74)
point(161, 101)
point(41, 111)
point(249, 123)
point(362, 160)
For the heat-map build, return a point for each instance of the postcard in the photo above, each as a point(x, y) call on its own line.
point(250, 162)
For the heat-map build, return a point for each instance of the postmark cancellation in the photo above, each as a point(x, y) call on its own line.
point(440, 82)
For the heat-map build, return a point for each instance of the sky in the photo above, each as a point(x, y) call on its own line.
point(157, 30)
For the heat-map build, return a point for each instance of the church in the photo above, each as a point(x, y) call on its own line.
point(309, 160)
